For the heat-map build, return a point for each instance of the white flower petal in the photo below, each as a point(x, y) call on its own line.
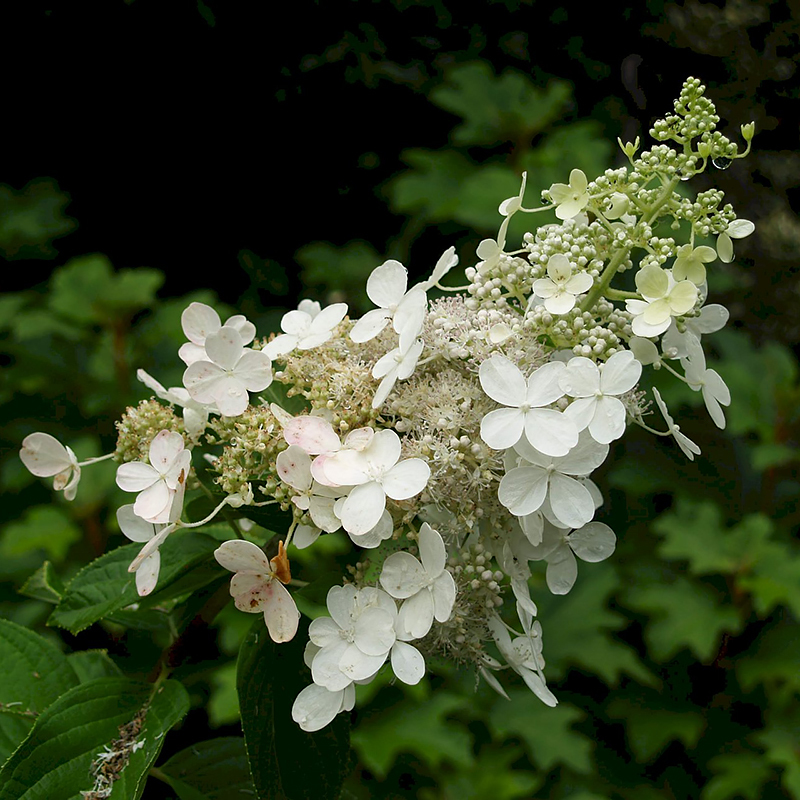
point(370, 325)
point(406, 479)
point(522, 490)
point(357, 665)
point(147, 574)
point(444, 596)
point(431, 550)
point(408, 663)
point(581, 378)
point(402, 575)
point(313, 434)
point(374, 632)
point(593, 542)
point(280, 612)
point(296, 323)
point(224, 347)
point(570, 501)
point(415, 617)
point(387, 284)
point(165, 449)
point(135, 528)
point(315, 707)
point(44, 455)
point(608, 422)
point(328, 318)
point(254, 370)
point(550, 432)
point(363, 508)
point(199, 321)
point(294, 467)
point(239, 555)
point(135, 476)
point(502, 428)
point(562, 570)
point(325, 666)
point(154, 502)
point(502, 381)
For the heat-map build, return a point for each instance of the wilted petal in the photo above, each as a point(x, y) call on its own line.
point(280, 612)
point(147, 574)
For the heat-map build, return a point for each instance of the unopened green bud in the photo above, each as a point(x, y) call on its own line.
point(703, 149)
point(630, 148)
point(748, 131)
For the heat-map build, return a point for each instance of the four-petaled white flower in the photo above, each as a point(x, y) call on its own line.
point(691, 261)
point(46, 457)
point(147, 563)
point(427, 589)
point(199, 321)
point(547, 429)
point(690, 449)
point(596, 388)
point(397, 364)
point(591, 543)
point(523, 489)
point(738, 229)
point(386, 287)
point(570, 199)
point(256, 587)
point(708, 381)
point(230, 373)
point(306, 328)
point(561, 287)
point(161, 483)
point(195, 415)
point(664, 298)
point(712, 318)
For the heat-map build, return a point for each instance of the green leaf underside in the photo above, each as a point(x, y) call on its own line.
point(105, 585)
point(55, 760)
point(92, 664)
point(269, 677)
point(44, 584)
point(212, 770)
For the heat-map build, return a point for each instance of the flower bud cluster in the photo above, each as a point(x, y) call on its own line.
point(138, 427)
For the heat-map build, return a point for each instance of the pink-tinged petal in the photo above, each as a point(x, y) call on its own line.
point(570, 501)
point(387, 284)
point(230, 396)
point(165, 448)
point(357, 665)
point(402, 575)
point(296, 323)
point(147, 574)
point(71, 489)
point(199, 321)
point(543, 385)
point(323, 632)
point(249, 591)
point(254, 370)
point(383, 451)
point(431, 550)
point(189, 352)
point(44, 455)
point(408, 663)
point(179, 469)
point(581, 378)
point(314, 434)
point(620, 373)
point(444, 596)
point(151, 547)
point(328, 318)
point(550, 432)
point(224, 347)
point(562, 570)
point(201, 380)
point(359, 439)
point(608, 422)
point(522, 490)
point(584, 458)
point(341, 603)
point(136, 476)
point(363, 508)
point(593, 542)
point(502, 428)
point(345, 468)
point(374, 632)
point(502, 381)
point(135, 528)
point(239, 555)
point(406, 479)
point(325, 667)
point(315, 707)
point(280, 613)
point(370, 325)
point(415, 617)
point(281, 345)
point(154, 503)
point(294, 467)
point(581, 412)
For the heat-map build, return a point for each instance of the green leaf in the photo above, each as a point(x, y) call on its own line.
point(105, 585)
point(775, 579)
point(546, 732)
point(779, 740)
point(772, 659)
point(35, 671)
point(684, 614)
point(212, 770)
point(45, 528)
point(56, 759)
point(269, 677)
point(14, 728)
point(92, 664)
point(737, 775)
point(419, 728)
point(223, 700)
point(44, 584)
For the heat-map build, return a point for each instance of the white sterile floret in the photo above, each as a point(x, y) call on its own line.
point(46, 457)
point(547, 429)
point(376, 473)
point(645, 351)
point(675, 342)
point(591, 543)
point(690, 449)
point(230, 373)
point(596, 389)
point(427, 588)
point(715, 391)
point(561, 287)
point(664, 298)
point(737, 229)
point(524, 659)
point(199, 321)
point(306, 328)
point(315, 707)
point(356, 639)
point(161, 483)
point(523, 489)
point(570, 199)
point(446, 262)
point(195, 415)
point(147, 563)
point(386, 287)
point(256, 588)
point(691, 261)
point(397, 364)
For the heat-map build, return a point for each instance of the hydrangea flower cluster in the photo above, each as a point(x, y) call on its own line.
point(451, 439)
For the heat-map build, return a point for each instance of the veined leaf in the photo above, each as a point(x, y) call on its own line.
point(44, 584)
